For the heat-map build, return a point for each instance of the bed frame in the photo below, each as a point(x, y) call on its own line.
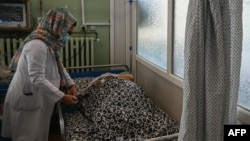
point(112, 68)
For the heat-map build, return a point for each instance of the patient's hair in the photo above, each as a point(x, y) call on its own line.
point(126, 76)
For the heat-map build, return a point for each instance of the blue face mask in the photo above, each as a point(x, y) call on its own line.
point(65, 38)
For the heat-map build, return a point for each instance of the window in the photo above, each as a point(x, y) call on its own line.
point(244, 91)
point(152, 31)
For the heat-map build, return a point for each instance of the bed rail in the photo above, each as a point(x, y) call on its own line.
point(165, 138)
point(99, 66)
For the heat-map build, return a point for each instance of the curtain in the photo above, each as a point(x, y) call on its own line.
point(213, 45)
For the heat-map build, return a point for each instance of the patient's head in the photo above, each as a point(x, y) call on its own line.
point(126, 76)
point(119, 76)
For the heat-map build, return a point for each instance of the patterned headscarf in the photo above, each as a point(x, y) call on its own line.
point(56, 23)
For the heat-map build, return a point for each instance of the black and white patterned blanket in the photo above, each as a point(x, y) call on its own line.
point(116, 110)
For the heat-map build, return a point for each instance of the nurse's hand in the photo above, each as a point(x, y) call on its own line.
point(72, 90)
point(69, 100)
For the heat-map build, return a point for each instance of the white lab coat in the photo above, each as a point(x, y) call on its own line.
point(27, 117)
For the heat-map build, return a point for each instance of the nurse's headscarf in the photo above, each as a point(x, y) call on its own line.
point(55, 24)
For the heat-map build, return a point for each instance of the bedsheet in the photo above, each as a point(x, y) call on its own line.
point(118, 109)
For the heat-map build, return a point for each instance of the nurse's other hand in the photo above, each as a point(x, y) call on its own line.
point(69, 100)
point(72, 90)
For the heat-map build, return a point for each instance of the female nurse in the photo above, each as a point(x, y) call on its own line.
point(39, 76)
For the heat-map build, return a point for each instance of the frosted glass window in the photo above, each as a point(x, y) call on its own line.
point(244, 91)
point(180, 15)
point(152, 31)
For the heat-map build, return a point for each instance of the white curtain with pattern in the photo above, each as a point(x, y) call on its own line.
point(213, 45)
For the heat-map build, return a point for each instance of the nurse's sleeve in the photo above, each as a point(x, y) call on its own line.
point(69, 80)
point(36, 55)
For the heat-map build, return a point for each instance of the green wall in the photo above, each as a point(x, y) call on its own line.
point(96, 11)
point(74, 7)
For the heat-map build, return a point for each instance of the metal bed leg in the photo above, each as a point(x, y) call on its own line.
point(61, 120)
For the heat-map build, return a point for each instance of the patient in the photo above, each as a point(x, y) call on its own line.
point(100, 80)
point(114, 107)
point(107, 76)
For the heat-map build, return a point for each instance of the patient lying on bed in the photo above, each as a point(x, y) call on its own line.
point(114, 107)
point(107, 76)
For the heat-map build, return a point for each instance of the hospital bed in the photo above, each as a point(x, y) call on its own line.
point(118, 109)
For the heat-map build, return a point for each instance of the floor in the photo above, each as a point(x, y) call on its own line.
point(54, 133)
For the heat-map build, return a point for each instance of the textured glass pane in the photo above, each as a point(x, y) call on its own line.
point(152, 31)
point(244, 93)
point(180, 15)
